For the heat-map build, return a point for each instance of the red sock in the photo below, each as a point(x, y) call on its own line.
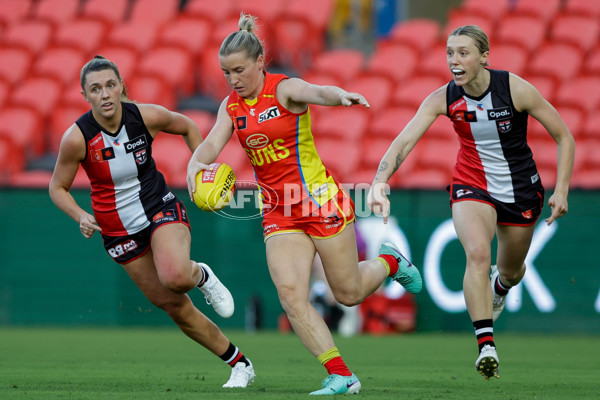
point(337, 366)
point(392, 262)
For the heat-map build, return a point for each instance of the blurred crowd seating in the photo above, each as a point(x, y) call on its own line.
point(166, 51)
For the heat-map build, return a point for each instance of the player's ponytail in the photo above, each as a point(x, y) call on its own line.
point(244, 39)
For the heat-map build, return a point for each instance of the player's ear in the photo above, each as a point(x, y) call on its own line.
point(260, 61)
point(485, 58)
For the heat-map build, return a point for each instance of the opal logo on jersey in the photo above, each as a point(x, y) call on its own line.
point(268, 114)
point(257, 141)
point(499, 113)
point(138, 142)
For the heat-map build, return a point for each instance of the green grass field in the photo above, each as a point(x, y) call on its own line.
point(47, 363)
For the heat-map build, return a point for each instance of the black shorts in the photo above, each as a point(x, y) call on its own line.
point(521, 213)
point(125, 249)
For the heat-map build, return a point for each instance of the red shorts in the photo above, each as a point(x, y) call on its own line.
point(319, 222)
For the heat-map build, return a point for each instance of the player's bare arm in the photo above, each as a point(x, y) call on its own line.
point(433, 106)
point(295, 94)
point(527, 98)
point(71, 152)
point(207, 152)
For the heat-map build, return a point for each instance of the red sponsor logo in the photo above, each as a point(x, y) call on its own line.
point(208, 175)
point(158, 216)
point(457, 104)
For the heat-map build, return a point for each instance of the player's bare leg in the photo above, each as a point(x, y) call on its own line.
point(475, 225)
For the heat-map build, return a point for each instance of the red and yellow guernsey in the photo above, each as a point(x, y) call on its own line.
point(281, 148)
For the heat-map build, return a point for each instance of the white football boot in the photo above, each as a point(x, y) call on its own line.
point(487, 362)
point(241, 375)
point(216, 294)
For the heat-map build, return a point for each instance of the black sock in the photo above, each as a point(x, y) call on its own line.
point(233, 355)
point(204, 276)
point(499, 288)
point(484, 330)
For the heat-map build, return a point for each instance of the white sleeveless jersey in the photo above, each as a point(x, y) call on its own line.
point(493, 155)
point(127, 189)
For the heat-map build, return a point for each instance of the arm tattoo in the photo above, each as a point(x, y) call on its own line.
point(384, 167)
point(399, 161)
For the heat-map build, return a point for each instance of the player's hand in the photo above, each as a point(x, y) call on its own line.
point(559, 206)
point(193, 169)
point(88, 226)
point(377, 200)
point(349, 98)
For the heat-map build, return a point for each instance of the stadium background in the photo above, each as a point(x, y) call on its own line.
point(391, 51)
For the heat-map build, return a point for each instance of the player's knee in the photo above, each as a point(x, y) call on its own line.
point(179, 283)
point(512, 276)
point(290, 300)
point(348, 298)
point(478, 255)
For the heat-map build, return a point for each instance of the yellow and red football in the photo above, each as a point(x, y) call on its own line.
point(214, 187)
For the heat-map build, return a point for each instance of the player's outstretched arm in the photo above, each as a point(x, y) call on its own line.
point(433, 106)
point(294, 92)
point(527, 98)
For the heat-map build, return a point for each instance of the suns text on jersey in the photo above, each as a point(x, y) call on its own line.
point(271, 153)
